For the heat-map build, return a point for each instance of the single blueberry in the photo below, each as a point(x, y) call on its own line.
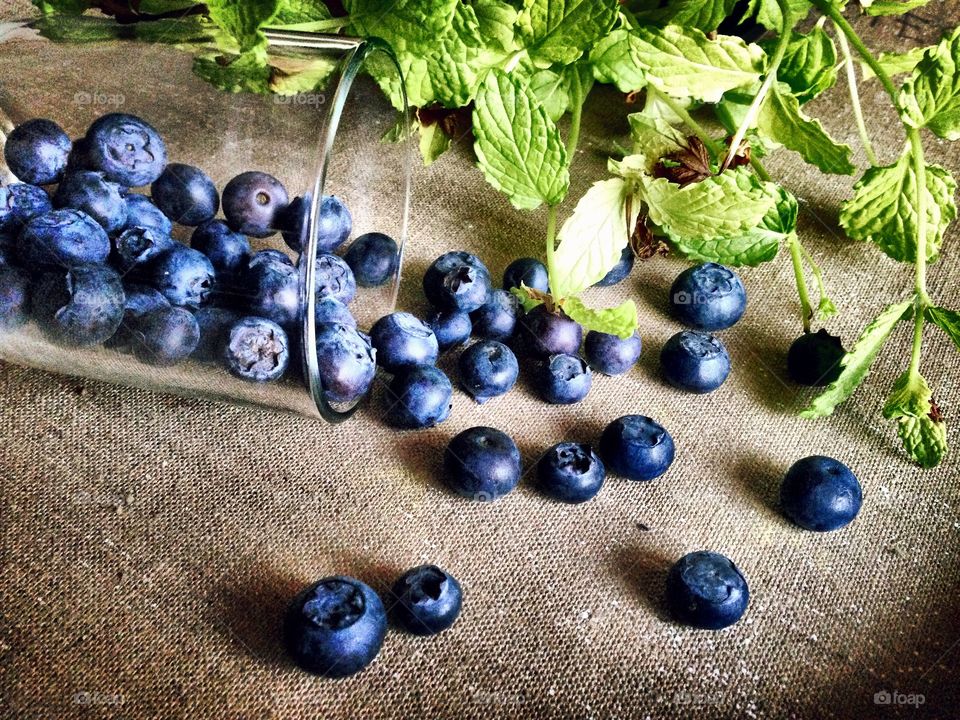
point(142, 213)
point(215, 324)
point(706, 590)
point(269, 255)
point(79, 306)
point(544, 333)
point(611, 354)
point(253, 203)
point(275, 293)
point(636, 447)
point(820, 493)
point(708, 297)
point(14, 297)
point(418, 398)
point(228, 251)
point(19, 204)
point(185, 194)
point(457, 280)
point(138, 301)
point(570, 472)
point(135, 247)
point(814, 358)
point(97, 197)
point(62, 238)
point(374, 258)
point(335, 627)
point(619, 271)
point(452, 327)
point(497, 317)
point(695, 361)
point(563, 379)
point(126, 149)
point(346, 362)
point(331, 310)
point(425, 600)
point(257, 350)
point(184, 276)
point(487, 369)
point(403, 341)
point(334, 278)
point(165, 337)
point(36, 151)
point(482, 463)
point(334, 224)
point(526, 271)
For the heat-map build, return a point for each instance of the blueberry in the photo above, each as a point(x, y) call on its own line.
point(19, 204)
point(636, 447)
point(334, 225)
point(139, 300)
point(79, 306)
point(419, 398)
point(482, 463)
point(611, 354)
point(142, 213)
point(137, 246)
point(275, 293)
point(570, 472)
point(545, 333)
point(184, 276)
point(497, 317)
point(814, 358)
point(166, 336)
point(695, 361)
point(706, 590)
point(457, 280)
point(228, 251)
point(97, 197)
point(374, 258)
point(331, 310)
point(403, 341)
point(708, 297)
point(346, 363)
point(452, 327)
point(126, 149)
point(334, 278)
point(526, 271)
point(257, 350)
point(563, 379)
point(214, 324)
point(253, 202)
point(36, 152)
point(14, 297)
point(487, 369)
point(619, 271)
point(425, 600)
point(335, 627)
point(270, 255)
point(185, 194)
point(820, 493)
point(62, 238)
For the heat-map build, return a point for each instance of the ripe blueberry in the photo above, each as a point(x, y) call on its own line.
point(636, 447)
point(346, 362)
point(139, 300)
point(526, 271)
point(611, 354)
point(125, 149)
point(185, 194)
point(334, 278)
point(814, 358)
point(62, 238)
point(418, 398)
point(166, 336)
point(695, 361)
point(257, 350)
point(563, 379)
point(452, 327)
point(482, 463)
point(820, 493)
point(374, 258)
point(425, 600)
point(457, 280)
point(334, 224)
point(214, 324)
point(19, 204)
point(708, 297)
point(497, 317)
point(619, 271)
point(142, 213)
point(228, 251)
point(184, 276)
point(570, 472)
point(253, 202)
point(487, 369)
point(97, 197)
point(36, 152)
point(275, 293)
point(331, 310)
point(135, 247)
point(403, 341)
point(544, 333)
point(706, 590)
point(79, 306)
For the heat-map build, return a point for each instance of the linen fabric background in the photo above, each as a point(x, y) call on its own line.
point(150, 543)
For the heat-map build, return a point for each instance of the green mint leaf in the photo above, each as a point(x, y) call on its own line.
point(294, 12)
point(931, 95)
point(592, 239)
point(946, 320)
point(782, 120)
point(550, 89)
point(769, 14)
point(635, 167)
point(924, 439)
point(557, 31)
point(890, 7)
point(721, 206)
point(527, 297)
point(518, 146)
point(620, 320)
point(856, 363)
point(497, 20)
point(810, 64)
point(655, 137)
point(883, 209)
point(687, 64)
point(247, 72)
point(613, 61)
point(290, 76)
point(895, 63)
point(242, 19)
point(703, 15)
point(911, 397)
point(433, 142)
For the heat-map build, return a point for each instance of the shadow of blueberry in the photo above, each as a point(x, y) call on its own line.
point(759, 480)
point(643, 571)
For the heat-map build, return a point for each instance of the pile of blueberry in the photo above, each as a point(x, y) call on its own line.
point(92, 262)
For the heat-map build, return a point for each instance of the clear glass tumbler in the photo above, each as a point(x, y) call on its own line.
point(330, 141)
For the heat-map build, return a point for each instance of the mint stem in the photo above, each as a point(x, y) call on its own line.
point(796, 258)
point(855, 99)
point(682, 113)
point(551, 239)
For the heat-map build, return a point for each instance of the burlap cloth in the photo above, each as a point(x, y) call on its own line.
point(150, 543)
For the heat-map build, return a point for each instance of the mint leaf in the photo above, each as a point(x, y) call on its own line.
point(433, 142)
point(924, 439)
point(856, 363)
point(782, 120)
point(242, 19)
point(809, 65)
point(557, 31)
point(931, 95)
point(550, 89)
point(620, 320)
point(890, 7)
point(946, 320)
point(655, 137)
point(240, 73)
point(895, 63)
point(768, 13)
point(294, 12)
point(592, 239)
point(290, 76)
point(612, 60)
point(497, 20)
point(704, 15)
point(883, 209)
point(911, 396)
point(518, 146)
